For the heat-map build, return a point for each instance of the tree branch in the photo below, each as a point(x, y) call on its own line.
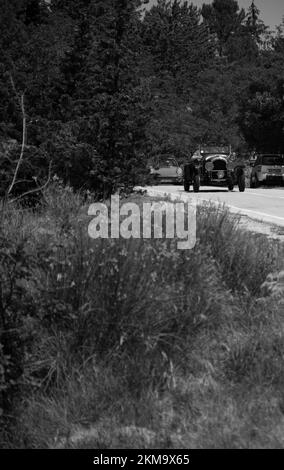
point(41, 188)
point(22, 103)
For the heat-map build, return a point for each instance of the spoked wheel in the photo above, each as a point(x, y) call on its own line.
point(242, 183)
point(186, 185)
point(196, 183)
point(230, 183)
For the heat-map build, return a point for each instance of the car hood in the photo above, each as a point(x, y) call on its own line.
point(212, 158)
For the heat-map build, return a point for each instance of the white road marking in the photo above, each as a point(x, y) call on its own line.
point(262, 216)
point(249, 212)
point(240, 209)
point(265, 195)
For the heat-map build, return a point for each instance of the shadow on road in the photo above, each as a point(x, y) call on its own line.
point(214, 191)
point(206, 191)
point(179, 189)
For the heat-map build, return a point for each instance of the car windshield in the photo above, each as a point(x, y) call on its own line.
point(165, 162)
point(215, 150)
point(272, 160)
point(162, 162)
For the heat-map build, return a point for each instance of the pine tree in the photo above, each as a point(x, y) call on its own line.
point(108, 100)
point(178, 48)
point(178, 44)
point(254, 25)
point(278, 43)
point(224, 19)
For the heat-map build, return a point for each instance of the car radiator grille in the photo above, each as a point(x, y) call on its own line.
point(219, 165)
point(275, 171)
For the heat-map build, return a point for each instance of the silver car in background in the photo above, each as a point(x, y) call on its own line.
point(165, 169)
point(267, 169)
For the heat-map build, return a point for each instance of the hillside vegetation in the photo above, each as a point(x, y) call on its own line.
point(93, 88)
point(133, 343)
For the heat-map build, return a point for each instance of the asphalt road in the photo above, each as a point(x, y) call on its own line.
point(263, 204)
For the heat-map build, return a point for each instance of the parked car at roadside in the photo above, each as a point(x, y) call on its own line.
point(165, 169)
point(267, 169)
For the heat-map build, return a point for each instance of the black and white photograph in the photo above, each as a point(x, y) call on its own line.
point(141, 229)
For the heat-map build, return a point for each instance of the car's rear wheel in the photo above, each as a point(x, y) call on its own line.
point(196, 183)
point(242, 183)
point(186, 185)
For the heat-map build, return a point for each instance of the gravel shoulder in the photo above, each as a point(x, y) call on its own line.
point(270, 230)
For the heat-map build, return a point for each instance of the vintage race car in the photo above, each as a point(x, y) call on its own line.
point(213, 169)
point(267, 168)
point(165, 169)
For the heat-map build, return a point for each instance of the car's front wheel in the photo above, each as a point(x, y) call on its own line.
point(186, 185)
point(230, 183)
point(196, 183)
point(242, 183)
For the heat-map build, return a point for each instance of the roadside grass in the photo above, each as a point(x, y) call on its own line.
point(133, 343)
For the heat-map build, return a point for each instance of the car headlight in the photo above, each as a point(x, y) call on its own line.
point(179, 172)
point(209, 166)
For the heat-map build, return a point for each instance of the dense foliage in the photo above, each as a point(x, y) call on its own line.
point(105, 84)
